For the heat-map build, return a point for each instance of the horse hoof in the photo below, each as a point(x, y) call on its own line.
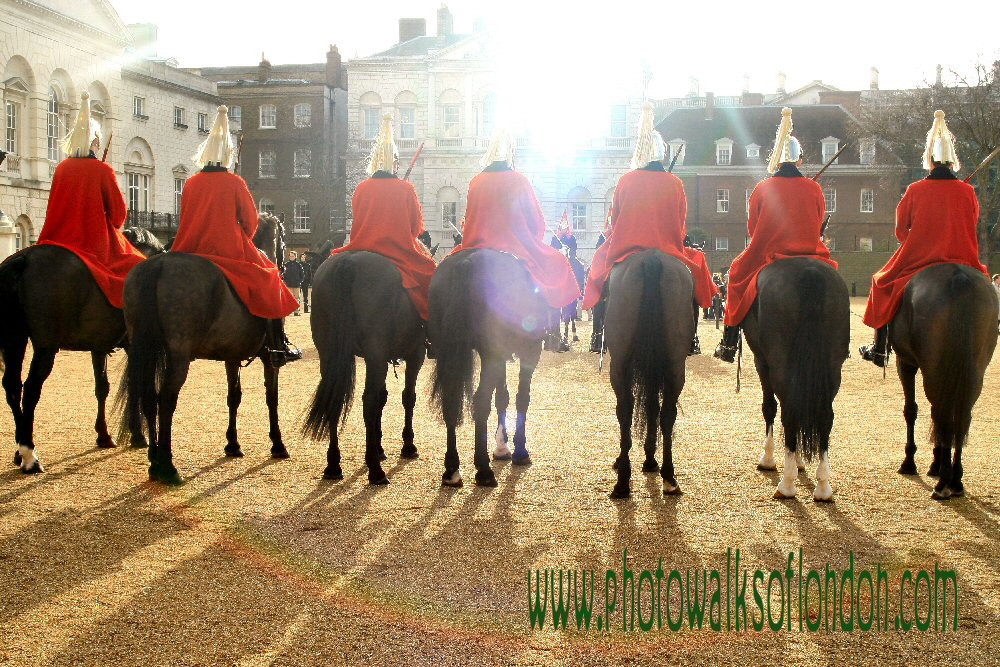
point(409, 452)
point(381, 455)
point(650, 466)
point(234, 452)
point(671, 488)
point(17, 459)
point(378, 480)
point(452, 480)
point(333, 473)
point(523, 460)
point(620, 492)
point(942, 494)
point(908, 468)
point(503, 456)
point(138, 444)
point(957, 492)
point(280, 453)
point(486, 478)
point(33, 469)
point(502, 452)
point(784, 492)
point(105, 442)
point(764, 467)
point(614, 466)
point(823, 493)
point(169, 476)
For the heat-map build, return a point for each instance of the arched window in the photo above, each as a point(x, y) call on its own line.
point(22, 233)
point(139, 175)
point(371, 112)
point(300, 220)
point(52, 126)
point(266, 206)
point(579, 208)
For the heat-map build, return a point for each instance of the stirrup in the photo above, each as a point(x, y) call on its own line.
point(725, 353)
point(870, 353)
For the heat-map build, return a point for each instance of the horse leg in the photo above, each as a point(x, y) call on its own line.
point(652, 426)
point(529, 361)
point(624, 410)
point(501, 450)
point(824, 490)
point(41, 366)
point(907, 376)
point(278, 450)
point(790, 470)
point(233, 399)
point(333, 470)
point(409, 401)
point(101, 390)
point(161, 468)
point(668, 416)
point(955, 485)
point(769, 408)
point(944, 435)
point(373, 401)
point(491, 369)
point(13, 357)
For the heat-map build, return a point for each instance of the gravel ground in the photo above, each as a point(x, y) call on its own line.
point(261, 562)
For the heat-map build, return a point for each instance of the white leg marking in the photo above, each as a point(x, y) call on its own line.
point(767, 458)
point(786, 487)
point(455, 479)
point(29, 462)
point(669, 488)
point(501, 449)
point(824, 490)
point(800, 462)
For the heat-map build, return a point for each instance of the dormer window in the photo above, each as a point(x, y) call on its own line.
point(674, 147)
point(867, 151)
point(830, 147)
point(753, 151)
point(724, 152)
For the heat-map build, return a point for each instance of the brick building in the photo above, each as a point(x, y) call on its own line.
point(292, 125)
point(725, 152)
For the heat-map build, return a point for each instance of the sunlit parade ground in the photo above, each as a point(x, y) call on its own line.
point(261, 562)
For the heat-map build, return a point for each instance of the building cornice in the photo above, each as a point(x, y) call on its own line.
point(122, 39)
point(169, 85)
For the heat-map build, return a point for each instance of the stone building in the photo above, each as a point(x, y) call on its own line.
point(51, 52)
point(442, 90)
point(291, 121)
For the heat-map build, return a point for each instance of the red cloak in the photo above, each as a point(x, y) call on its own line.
point(936, 224)
point(503, 214)
point(218, 221)
point(85, 215)
point(786, 216)
point(387, 221)
point(648, 210)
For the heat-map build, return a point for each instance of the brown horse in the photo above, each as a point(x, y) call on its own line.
point(49, 296)
point(484, 301)
point(180, 307)
point(945, 328)
point(648, 331)
point(360, 308)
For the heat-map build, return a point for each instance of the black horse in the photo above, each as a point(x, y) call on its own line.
point(360, 308)
point(649, 330)
point(49, 296)
point(945, 328)
point(799, 331)
point(484, 301)
point(180, 307)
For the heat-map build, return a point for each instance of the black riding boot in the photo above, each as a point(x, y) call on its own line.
point(877, 352)
point(278, 350)
point(726, 351)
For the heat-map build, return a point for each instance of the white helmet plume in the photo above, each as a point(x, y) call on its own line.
point(940, 146)
point(77, 142)
point(501, 148)
point(218, 147)
point(649, 145)
point(384, 152)
point(786, 147)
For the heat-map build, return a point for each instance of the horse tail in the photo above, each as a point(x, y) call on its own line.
point(146, 351)
point(807, 408)
point(952, 382)
point(14, 329)
point(650, 362)
point(335, 392)
point(453, 346)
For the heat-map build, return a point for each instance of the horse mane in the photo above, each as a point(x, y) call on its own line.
point(270, 236)
point(143, 240)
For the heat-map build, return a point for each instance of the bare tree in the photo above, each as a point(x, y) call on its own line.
point(899, 120)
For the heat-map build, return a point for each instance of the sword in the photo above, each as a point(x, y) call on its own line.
point(600, 363)
point(832, 160)
point(822, 230)
point(104, 157)
point(674, 160)
point(413, 161)
point(989, 158)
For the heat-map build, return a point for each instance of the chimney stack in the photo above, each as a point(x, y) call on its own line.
point(263, 69)
point(333, 63)
point(874, 82)
point(781, 83)
point(937, 81)
point(446, 27)
point(694, 90)
point(411, 29)
point(709, 105)
point(746, 84)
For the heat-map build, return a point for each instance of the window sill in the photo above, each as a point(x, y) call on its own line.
point(139, 116)
point(180, 126)
point(203, 131)
point(301, 231)
point(266, 178)
point(302, 177)
point(267, 127)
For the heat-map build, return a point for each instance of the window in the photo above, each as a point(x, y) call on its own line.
point(830, 194)
point(52, 126)
point(139, 107)
point(865, 244)
point(578, 216)
point(407, 122)
point(673, 148)
point(20, 237)
point(452, 123)
point(138, 191)
point(722, 201)
point(178, 189)
point(300, 221)
point(303, 115)
point(488, 115)
point(753, 151)
point(867, 151)
point(268, 117)
point(722, 243)
point(179, 117)
point(830, 148)
point(302, 163)
point(371, 122)
point(619, 120)
point(236, 115)
point(10, 128)
point(266, 164)
point(203, 123)
point(449, 214)
point(724, 152)
point(266, 206)
point(867, 200)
